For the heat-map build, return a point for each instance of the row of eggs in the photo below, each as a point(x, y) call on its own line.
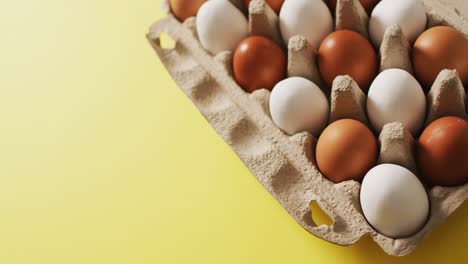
point(221, 27)
point(392, 198)
point(297, 104)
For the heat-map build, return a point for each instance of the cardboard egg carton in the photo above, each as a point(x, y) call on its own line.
point(285, 164)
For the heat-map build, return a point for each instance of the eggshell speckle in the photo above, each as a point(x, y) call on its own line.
point(394, 201)
point(396, 96)
point(410, 15)
point(346, 150)
point(297, 105)
point(258, 63)
point(221, 26)
point(437, 49)
point(309, 18)
point(346, 52)
point(442, 152)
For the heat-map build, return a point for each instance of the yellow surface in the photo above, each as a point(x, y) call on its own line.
point(104, 160)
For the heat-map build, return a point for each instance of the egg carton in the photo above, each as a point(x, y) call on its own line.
point(285, 164)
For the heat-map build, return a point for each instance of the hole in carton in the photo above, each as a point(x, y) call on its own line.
point(166, 42)
point(318, 215)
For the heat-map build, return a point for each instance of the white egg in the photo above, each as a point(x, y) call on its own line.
point(221, 26)
point(410, 15)
point(309, 18)
point(297, 105)
point(394, 201)
point(395, 95)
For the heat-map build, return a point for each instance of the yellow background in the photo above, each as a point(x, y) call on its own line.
point(104, 160)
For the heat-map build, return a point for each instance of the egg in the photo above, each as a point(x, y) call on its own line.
point(442, 152)
point(221, 26)
point(394, 201)
point(274, 4)
point(367, 4)
point(183, 9)
point(396, 96)
point(346, 52)
point(410, 15)
point(258, 63)
point(297, 105)
point(437, 49)
point(309, 18)
point(346, 150)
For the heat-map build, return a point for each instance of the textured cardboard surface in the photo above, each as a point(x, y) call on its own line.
point(284, 165)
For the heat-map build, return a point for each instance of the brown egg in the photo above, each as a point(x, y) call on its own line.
point(258, 63)
point(346, 52)
point(274, 4)
point(183, 9)
point(437, 49)
point(346, 150)
point(442, 152)
point(367, 4)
